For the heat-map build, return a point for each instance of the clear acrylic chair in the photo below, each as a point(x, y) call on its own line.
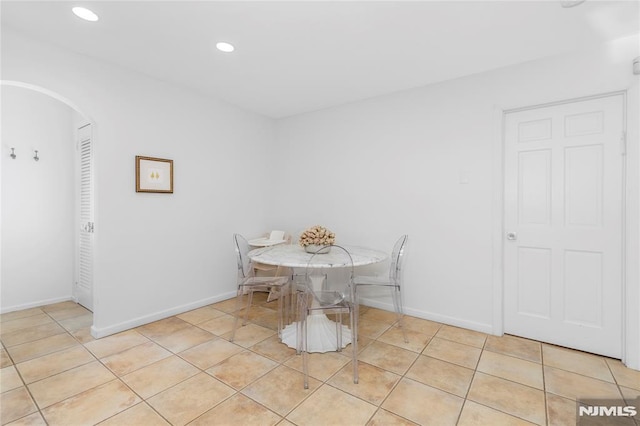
point(393, 281)
point(248, 282)
point(262, 269)
point(327, 291)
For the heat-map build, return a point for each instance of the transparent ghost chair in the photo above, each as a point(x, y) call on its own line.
point(328, 290)
point(261, 269)
point(393, 281)
point(248, 282)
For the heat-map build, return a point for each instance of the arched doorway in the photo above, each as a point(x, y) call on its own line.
point(43, 196)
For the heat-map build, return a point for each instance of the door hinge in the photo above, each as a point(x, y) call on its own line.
point(623, 143)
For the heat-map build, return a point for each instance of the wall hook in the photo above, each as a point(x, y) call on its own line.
point(13, 154)
point(35, 157)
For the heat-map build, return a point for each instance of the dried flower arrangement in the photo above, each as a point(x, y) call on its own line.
point(317, 235)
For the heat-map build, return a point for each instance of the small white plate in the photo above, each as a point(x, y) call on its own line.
point(265, 242)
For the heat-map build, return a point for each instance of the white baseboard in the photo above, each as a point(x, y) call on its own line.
point(35, 304)
point(146, 319)
point(444, 319)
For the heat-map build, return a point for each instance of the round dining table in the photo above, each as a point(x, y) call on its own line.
point(294, 256)
point(321, 335)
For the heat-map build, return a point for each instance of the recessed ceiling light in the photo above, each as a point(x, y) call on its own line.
point(225, 47)
point(85, 14)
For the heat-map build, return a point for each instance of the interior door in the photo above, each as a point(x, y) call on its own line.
point(563, 224)
point(84, 282)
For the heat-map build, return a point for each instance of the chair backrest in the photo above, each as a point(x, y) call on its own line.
point(276, 236)
point(325, 276)
point(242, 250)
point(397, 255)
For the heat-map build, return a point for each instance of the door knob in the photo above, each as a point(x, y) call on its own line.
point(512, 236)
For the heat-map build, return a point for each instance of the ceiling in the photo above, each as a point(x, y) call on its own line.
point(297, 56)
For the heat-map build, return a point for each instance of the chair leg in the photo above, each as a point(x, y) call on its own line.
point(354, 341)
point(281, 294)
point(285, 291)
point(293, 297)
point(305, 349)
point(356, 300)
point(246, 311)
point(339, 332)
point(237, 312)
point(299, 325)
point(354, 321)
point(397, 302)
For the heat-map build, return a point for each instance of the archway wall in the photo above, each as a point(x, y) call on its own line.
point(38, 199)
point(157, 254)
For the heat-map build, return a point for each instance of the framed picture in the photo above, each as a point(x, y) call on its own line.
point(154, 175)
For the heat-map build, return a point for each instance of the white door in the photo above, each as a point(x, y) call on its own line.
point(563, 224)
point(84, 282)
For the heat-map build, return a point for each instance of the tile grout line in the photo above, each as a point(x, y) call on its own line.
point(216, 337)
point(422, 354)
point(67, 331)
point(33, 399)
point(544, 385)
point(145, 400)
point(15, 367)
point(402, 376)
point(236, 391)
point(475, 370)
point(324, 382)
point(636, 421)
point(13, 364)
point(118, 377)
point(40, 409)
point(501, 378)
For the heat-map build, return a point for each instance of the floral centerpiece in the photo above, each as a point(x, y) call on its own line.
point(316, 237)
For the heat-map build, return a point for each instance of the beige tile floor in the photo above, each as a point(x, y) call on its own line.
point(183, 370)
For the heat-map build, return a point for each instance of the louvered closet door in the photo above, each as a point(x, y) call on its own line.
point(563, 219)
point(84, 285)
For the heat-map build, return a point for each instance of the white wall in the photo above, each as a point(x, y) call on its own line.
point(372, 170)
point(369, 171)
point(37, 200)
point(156, 254)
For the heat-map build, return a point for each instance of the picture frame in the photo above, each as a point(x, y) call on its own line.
point(154, 175)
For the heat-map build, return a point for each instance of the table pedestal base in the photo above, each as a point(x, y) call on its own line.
point(321, 334)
